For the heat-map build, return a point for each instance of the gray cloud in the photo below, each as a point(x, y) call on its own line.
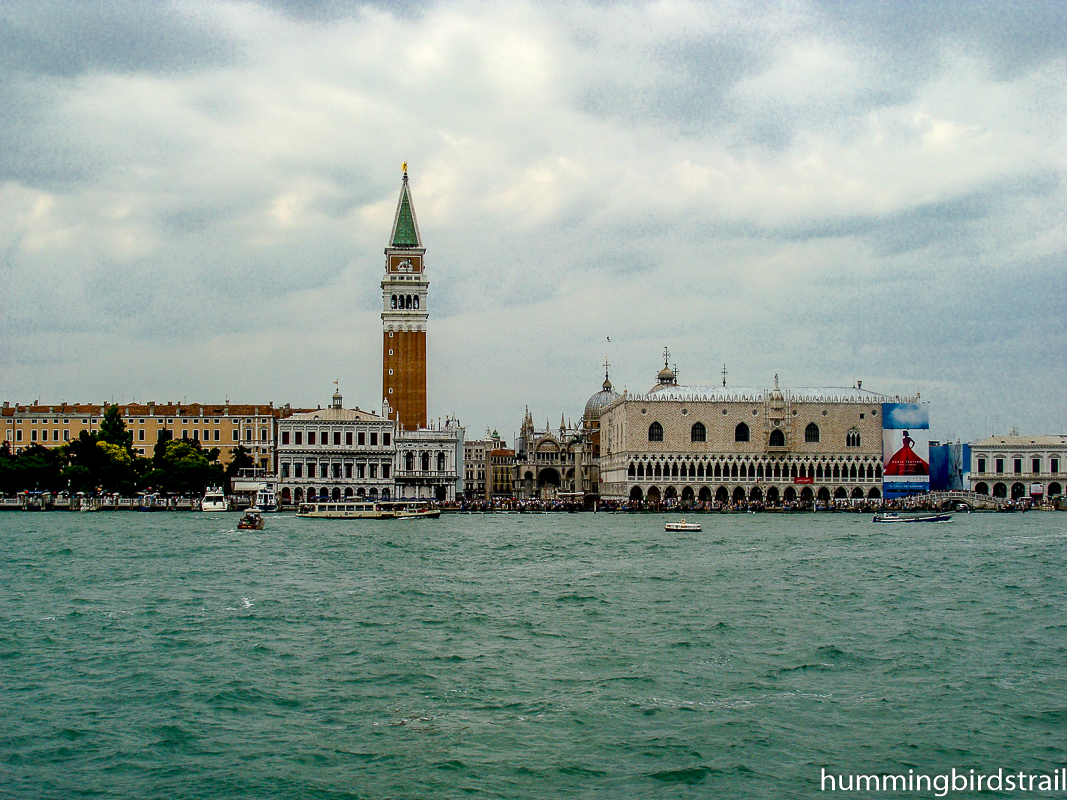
point(196, 198)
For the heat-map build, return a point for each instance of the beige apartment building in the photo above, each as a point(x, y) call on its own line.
point(224, 426)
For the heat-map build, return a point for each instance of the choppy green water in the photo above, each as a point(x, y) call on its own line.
point(592, 656)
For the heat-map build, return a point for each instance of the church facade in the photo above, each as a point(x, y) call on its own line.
point(691, 444)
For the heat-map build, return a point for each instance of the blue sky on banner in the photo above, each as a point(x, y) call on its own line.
point(194, 199)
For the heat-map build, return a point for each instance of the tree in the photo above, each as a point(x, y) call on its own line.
point(34, 469)
point(241, 459)
point(113, 430)
point(183, 469)
point(159, 452)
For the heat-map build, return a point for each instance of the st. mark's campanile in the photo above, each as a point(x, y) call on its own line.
point(404, 315)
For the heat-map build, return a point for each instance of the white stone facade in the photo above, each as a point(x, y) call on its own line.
point(1014, 466)
point(429, 463)
point(335, 453)
point(700, 444)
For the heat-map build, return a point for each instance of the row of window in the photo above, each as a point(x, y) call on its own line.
point(1017, 466)
point(208, 435)
point(749, 471)
point(312, 470)
point(325, 494)
point(138, 421)
point(1017, 490)
point(740, 495)
point(409, 462)
point(323, 438)
point(742, 433)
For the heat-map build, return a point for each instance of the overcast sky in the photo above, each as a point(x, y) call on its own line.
point(195, 197)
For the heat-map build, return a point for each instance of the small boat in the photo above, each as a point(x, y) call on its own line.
point(214, 500)
point(893, 516)
point(682, 525)
point(251, 521)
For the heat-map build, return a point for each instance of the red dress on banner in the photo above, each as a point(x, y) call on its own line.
point(906, 462)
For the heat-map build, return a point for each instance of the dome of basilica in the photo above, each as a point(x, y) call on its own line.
point(598, 402)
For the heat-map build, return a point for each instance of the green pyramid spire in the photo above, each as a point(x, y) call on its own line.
point(405, 229)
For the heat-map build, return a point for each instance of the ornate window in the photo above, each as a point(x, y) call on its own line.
point(741, 432)
point(811, 433)
point(852, 438)
point(777, 438)
point(698, 433)
point(655, 432)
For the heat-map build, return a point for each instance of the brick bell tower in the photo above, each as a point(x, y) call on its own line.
point(404, 315)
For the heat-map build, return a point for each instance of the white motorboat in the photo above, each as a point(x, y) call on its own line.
point(892, 516)
point(214, 500)
point(266, 499)
point(682, 525)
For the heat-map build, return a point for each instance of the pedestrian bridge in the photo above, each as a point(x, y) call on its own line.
point(964, 500)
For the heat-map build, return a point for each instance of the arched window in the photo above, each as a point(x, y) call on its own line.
point(641, 470)
point(698, 433)
point(632, 470)
point(852, 438)
point(440, 462)
point(655, 432)
point(811, 433)
point(415, 301)
point(425, 462)
point(741, 432)
point(393, 302)
point(409, 461)
point(777, 438)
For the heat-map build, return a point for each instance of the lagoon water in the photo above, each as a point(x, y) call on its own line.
point(523, 656)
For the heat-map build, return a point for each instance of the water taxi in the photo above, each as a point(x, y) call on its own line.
point(251, 521)
point(371, 509)
point(682, 525)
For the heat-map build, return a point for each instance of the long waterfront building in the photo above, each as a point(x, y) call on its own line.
point(737, 444)
point(224, 425)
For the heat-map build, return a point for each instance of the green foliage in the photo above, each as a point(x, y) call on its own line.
point(180, 467)
point(113, 429)
point(159, 452)
point(115, 453)
point(34, 469)
point(105, 462)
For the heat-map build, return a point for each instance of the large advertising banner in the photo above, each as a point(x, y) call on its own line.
point(905, 449)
